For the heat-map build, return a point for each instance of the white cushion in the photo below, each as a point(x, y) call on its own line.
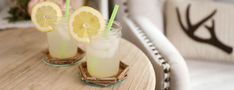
point(190, 47)
point(206, 75)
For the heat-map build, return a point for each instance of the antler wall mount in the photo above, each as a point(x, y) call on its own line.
point(191, 29)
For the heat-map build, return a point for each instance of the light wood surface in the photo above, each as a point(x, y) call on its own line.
point(21, 67)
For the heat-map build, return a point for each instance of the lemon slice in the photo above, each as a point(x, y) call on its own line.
point(45, 14)
point(86, 22)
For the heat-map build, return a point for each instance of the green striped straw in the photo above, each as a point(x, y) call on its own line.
point(112, 18)
point(67, 13)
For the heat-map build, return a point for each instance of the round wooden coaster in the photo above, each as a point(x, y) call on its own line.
point(85, 76)
point(67, 61)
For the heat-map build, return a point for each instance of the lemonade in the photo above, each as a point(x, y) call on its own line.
point(103, 54)
point(102, 50)
point(61, 44)
point(85, 25)
point(48, 17)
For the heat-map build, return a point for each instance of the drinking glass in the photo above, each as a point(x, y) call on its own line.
point(61, 44)
point(103, 53)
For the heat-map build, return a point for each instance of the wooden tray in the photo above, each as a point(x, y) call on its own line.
point(67, 61)
point(85, 76)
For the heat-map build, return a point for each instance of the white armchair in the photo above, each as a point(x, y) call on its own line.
point(143, 25)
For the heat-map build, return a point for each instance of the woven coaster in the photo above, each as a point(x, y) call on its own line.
point(67, 61)
point(85, 76)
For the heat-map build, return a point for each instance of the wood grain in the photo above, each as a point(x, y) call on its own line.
point(21, 67)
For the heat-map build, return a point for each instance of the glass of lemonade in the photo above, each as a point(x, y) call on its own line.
point(103, 53)
point(61, 44)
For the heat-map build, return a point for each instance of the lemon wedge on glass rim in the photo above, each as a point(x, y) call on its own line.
point(86, 22)
point(45, 14)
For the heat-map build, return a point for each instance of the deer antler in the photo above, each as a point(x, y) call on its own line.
point(191, 28)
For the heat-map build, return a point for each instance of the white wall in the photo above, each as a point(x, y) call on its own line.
point(2, 4)
point(228, 1)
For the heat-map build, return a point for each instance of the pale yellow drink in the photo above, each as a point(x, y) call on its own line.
point(61, 44)
point(103, 54)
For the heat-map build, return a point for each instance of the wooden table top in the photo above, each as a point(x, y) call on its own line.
point(21, 66)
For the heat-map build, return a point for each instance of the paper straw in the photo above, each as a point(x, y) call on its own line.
point(67, 13)
point(112, 18)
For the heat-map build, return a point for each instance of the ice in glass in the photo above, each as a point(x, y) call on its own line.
point(103, 53)
point(61, 44)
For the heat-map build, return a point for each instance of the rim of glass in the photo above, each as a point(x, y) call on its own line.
point(115, 28)
point(116, 25)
